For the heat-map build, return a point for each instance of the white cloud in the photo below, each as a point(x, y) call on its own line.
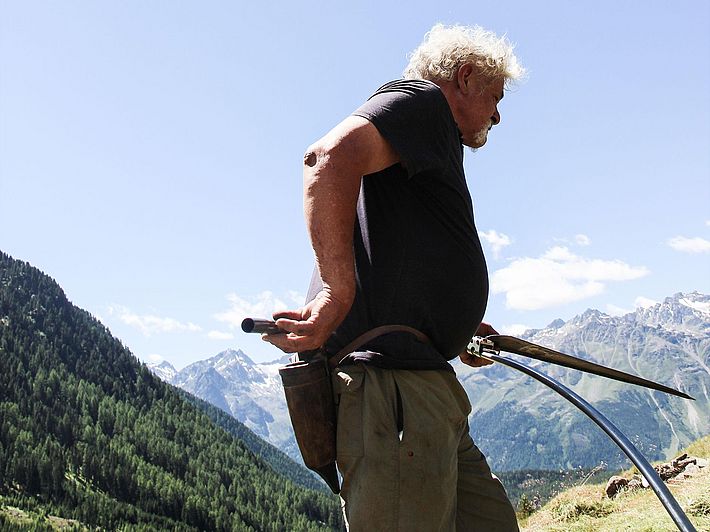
point(514, 329)
point(150, 324)
point(296, 297)
point(644, 302)
point(262, 305)
point(707, 222)
point(155, 358)
point(689, 245)
point(639, 302)
point(496, 240)
point(614, 310)
point(582, 240)
point(219, 335)
point(558, 277)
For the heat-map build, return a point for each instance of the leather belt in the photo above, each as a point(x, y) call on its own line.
point(365, 337)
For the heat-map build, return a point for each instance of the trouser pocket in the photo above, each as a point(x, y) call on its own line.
point(348, 386)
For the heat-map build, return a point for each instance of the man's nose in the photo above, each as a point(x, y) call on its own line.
point(496, 118)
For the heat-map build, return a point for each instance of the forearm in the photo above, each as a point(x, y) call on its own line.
point(331, 189)
point(332, 172)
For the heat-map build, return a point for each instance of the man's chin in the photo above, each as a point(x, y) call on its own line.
point(478, 143)
point(479, 140)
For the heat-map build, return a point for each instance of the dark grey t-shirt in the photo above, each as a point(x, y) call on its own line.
point(418, 258)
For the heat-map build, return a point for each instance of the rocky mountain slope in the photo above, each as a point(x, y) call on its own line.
point(518, 422)
point(523, 424)
point(251, 392)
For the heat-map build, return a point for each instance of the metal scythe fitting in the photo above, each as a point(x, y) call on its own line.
point(478, 346)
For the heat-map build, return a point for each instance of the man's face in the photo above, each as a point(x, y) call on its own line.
point(479, 112)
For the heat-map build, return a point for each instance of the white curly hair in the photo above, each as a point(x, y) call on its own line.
point(446, 48)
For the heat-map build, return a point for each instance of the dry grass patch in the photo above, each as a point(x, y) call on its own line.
point(60, 523)
point(15, 515)
point(700, 448)
point(12, 518)
point(586, 509)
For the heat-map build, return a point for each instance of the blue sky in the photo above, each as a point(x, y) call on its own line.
point(150, 154)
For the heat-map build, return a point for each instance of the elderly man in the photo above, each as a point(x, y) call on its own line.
point(391, 223)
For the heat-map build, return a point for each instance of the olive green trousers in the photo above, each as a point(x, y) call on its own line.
point(406, 457)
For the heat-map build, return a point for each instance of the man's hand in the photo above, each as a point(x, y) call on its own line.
point(484, 329)
point(310, 326)
point(474, 360)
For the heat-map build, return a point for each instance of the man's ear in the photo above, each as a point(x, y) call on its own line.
point(465, 78)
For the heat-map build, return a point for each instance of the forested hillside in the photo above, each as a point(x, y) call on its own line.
point(278, 460)
point(87, 429)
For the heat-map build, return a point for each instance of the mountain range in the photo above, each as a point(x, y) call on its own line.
point(522, 424)
point(519, 423)
point(251, 392)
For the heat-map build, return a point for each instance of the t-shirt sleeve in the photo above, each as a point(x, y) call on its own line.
point(414, 117)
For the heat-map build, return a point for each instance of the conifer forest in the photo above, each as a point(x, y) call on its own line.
point(88, 433)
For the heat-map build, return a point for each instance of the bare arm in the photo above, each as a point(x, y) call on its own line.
point(332, 172)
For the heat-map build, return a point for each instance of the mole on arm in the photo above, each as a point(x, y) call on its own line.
point(310, 159)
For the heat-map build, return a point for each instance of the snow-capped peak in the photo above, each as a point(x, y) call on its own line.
point(164, 370)
point(688, 313)
point(702, 307)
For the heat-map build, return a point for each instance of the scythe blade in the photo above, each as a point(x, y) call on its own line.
point(518, 346)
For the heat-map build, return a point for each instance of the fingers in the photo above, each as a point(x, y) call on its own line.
point(485, 329)
point(310, 326)
point(300, 328)
point(292, 343)
point(478, 362)
point(289, 314)
point(299, 334)
point(474, 361)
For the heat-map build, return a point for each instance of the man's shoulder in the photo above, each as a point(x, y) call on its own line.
point(413, 115)
point(410, 87)
point(414, 100)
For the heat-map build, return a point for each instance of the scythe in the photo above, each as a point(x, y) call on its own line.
point(490, 347)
